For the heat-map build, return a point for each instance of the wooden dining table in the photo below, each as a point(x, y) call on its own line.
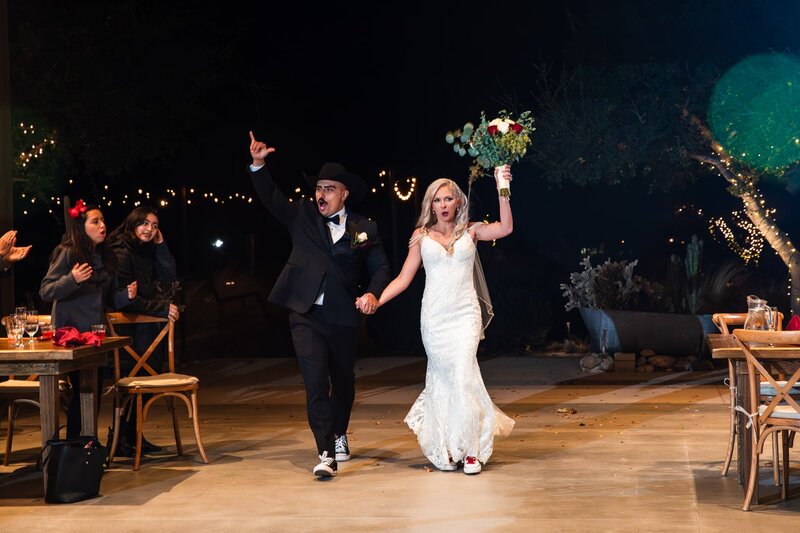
point(49, 362)
point(787, 358)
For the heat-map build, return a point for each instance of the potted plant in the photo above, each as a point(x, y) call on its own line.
point(624, 312)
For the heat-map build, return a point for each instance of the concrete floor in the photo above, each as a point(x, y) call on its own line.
point(641, 453)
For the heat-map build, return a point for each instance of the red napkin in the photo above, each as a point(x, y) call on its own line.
point(69, 337)
point(794, 323)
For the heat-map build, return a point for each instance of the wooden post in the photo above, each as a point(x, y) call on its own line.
point(6, 167)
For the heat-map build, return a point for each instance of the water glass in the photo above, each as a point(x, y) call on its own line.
point(18, 334)
point(31, 323)
point(48, 330)
point(99, 330)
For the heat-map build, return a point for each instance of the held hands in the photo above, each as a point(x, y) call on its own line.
point(259, 151)
point(132, 288)
point(174, 313)
point(367, 303)
point(81, 272)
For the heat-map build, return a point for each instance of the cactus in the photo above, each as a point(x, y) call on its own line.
point(684, 277)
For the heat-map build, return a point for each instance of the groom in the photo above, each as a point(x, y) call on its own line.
point(331, 248)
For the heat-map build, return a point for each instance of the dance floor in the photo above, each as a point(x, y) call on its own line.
point(619, 452)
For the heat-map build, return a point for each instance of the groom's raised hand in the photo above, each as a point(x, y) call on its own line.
point(259, 151)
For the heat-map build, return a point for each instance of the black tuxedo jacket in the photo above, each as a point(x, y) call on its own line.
point(315, 260)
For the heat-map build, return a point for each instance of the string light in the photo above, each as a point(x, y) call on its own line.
point(404, 197)
point(753, 245)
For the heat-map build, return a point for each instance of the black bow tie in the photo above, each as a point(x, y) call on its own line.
point(334, 219)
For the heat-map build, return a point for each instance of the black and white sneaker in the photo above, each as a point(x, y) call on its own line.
point(326, 466)
point(342, 449)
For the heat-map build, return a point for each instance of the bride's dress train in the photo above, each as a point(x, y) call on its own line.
point(453, 417)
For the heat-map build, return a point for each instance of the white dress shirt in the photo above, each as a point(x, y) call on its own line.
point(337, 232)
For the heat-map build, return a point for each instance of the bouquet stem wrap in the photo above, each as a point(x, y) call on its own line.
point(503, 184)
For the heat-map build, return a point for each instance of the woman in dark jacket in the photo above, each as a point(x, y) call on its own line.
point(81, 284)
point(143, 257)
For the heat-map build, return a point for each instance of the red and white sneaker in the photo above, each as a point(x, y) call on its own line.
point(472, 465)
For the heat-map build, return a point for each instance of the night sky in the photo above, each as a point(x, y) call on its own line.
point(376, 86)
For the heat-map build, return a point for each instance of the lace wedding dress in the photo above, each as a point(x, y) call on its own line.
point(454, 416)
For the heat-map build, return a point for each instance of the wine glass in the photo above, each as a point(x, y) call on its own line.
point(31, 323)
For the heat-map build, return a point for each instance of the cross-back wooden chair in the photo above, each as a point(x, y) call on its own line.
point(23, 390)
point(725, 323)
point(169, 385)
point(778, 415)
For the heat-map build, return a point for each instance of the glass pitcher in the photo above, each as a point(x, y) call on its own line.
point(759, 314)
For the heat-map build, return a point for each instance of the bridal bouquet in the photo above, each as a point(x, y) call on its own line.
point(494, 143)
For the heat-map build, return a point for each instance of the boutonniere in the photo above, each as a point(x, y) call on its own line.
point(359, 239)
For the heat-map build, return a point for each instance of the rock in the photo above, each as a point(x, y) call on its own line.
point(647, 352)
point(661, 361)
point(646, 368)
point(607, 364)
point(682, 364)
point(642, 361)
point(590, 361)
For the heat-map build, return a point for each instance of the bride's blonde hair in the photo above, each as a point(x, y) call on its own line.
point(427, 217)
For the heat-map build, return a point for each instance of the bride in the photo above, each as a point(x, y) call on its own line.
point(454, 418)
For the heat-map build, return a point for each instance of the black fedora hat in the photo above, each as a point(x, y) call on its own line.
point(337, 172)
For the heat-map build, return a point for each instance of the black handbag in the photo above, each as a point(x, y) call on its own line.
point(74, 469)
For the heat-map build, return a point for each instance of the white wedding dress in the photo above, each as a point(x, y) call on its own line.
point(454, 416)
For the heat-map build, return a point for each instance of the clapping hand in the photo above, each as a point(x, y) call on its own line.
point(367, 303)
point(259, 151)
point(7, 242)
point(17, 253)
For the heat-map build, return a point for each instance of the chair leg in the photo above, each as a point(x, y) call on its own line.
point(776, 461)
point(119, 406)
point(731, 437)
point(785, 484)
point(751, 483)
point(139, 415)
point(196, 422)
point(10, 434)
point(175, 427)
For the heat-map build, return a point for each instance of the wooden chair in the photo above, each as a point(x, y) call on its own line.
point(780, 414)
point(24, 391)
point(724, 322)
point(169, 385)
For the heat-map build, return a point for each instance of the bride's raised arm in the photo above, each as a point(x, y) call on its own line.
point(407, 273)
point(498, 230)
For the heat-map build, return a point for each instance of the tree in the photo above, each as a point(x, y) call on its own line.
point(615, 124)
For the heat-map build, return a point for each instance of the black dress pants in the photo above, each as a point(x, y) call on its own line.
point(326, 354)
